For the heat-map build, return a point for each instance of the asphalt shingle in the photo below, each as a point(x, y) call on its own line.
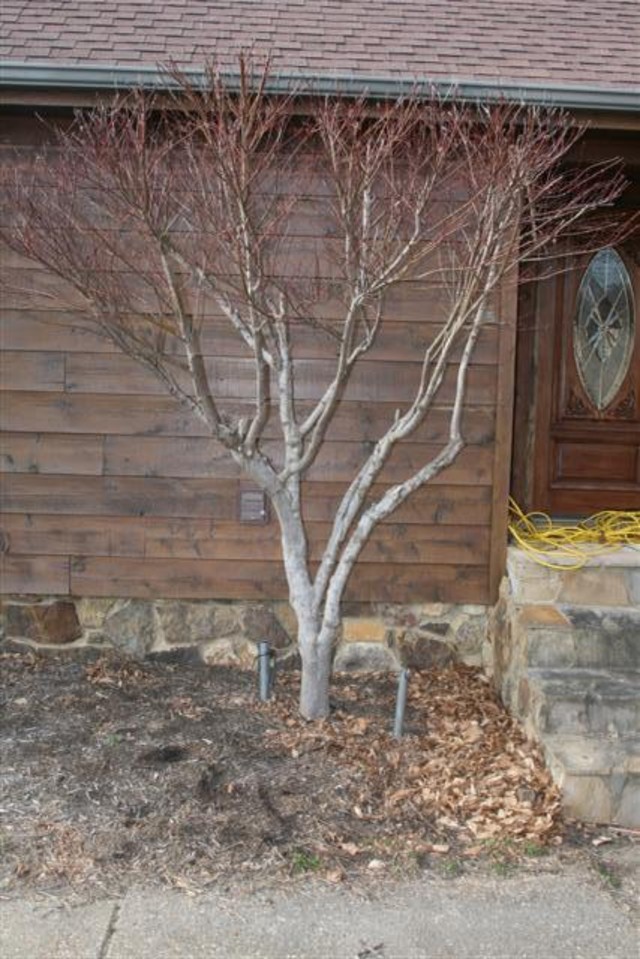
point(585, 42)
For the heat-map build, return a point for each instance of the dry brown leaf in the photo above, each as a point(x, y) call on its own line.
point(601, 840)
point(472, 851)
point(359, 726)
point(399, 796)
point(349, 847)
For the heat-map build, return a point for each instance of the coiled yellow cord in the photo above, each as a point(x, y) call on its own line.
point(575, 544)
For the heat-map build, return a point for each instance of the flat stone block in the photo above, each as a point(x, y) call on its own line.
point(186, 624)
point(594, 587)
point(628, 811)
point(624, 556)
point(587, 797)
point(421, 652)
point(471, 634)
point(229, 652)
point(364, 657)
point(261, 625)
point(132, 627)
point(605, 636)
point(602, 702)
point(363, 630)
point(552, 648)
point(228, 617)
point(93, 612)
point(426, 610)
point(633, 765)
point(530, 582)
point(543, 616)
point(53, 622)
point(633, 585)
point(597, 755)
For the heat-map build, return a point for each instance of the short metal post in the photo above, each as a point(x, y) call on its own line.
point(264, 671)
point(273, 663)
point(401, 702)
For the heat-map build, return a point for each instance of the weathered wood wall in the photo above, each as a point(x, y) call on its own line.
point(109, 488)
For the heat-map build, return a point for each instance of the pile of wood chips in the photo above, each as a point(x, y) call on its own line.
point(464, 766)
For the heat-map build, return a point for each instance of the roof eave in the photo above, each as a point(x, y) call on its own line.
point(28, 75)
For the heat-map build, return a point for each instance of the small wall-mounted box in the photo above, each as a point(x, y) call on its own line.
point(253, 506)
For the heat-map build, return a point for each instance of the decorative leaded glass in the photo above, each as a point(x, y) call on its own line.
point(603, 332)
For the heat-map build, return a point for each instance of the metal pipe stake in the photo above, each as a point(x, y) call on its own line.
point(401, 702)
point(264, 671)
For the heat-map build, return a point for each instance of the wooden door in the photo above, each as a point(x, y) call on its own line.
point(587, 388)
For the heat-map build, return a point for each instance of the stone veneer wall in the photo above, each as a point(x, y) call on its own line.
point(374, 637)
point(539, 611)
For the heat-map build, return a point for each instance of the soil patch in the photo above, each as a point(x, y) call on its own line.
point(116, 772)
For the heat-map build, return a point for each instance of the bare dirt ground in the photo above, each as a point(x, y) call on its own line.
point(117, 772)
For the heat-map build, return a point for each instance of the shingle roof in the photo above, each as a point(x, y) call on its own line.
point(590, 42)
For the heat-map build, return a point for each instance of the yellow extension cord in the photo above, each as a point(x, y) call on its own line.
point(574, 545)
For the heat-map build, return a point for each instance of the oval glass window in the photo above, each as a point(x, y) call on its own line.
point(603, 332)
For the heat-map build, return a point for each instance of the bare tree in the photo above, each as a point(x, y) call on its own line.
point(198, 197)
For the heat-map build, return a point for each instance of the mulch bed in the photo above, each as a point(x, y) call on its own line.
point(117, 772)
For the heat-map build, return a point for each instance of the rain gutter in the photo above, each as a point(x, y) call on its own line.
point(29, 75)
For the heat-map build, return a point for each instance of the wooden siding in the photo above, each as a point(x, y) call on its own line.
point(109, 488)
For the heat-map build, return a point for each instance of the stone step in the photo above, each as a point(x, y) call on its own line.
point(604, 637)
point(599, 777)
point(609, 579)
point(584, 701)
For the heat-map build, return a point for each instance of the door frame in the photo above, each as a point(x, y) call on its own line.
point(545, 322)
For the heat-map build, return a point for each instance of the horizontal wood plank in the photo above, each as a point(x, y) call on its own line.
point(51, 453)
point(199, 457)
point(373, 583)
point(38, 289)
point(51, 330)
point(235, 379)
point(206, 539)
point(101, 413)
point(118, 496)
point(210, 579)
point(309, 252)
point(217, 499)
point(409, 301)
point(31, 371)
point(32, 575)
point(177, 578)
point(60, 535)
point(62, 331)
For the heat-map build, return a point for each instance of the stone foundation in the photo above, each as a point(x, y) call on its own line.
point(378, 636)
point(509, 652)
point(566, 660)
point(547, 618)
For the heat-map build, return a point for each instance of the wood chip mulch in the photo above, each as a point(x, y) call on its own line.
point(117, 772)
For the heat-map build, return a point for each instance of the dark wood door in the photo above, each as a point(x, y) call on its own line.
point(587, 388)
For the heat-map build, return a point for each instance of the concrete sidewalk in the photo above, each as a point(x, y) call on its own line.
point(541, 917)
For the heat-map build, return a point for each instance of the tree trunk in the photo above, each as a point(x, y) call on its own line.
point(314, 687)
point(316, 649)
